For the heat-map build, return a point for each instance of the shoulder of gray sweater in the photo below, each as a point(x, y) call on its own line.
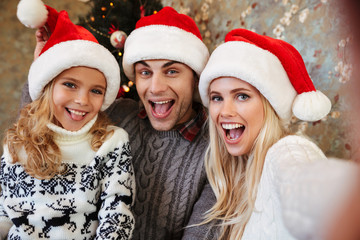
point(122, 108)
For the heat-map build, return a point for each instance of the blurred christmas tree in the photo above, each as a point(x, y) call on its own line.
point(111, 21)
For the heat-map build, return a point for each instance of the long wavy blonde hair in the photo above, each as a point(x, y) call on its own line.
point(30, 133)
point(235, 180)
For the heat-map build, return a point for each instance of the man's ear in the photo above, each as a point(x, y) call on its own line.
point(196, 78)
point(196, 94)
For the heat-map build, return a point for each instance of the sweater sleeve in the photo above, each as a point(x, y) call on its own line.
point(116, 220)
point(5, 221)
point(309, 185)
point(205, 231)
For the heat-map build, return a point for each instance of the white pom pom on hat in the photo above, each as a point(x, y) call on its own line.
point(272, 66)
point(32, 13)
point(69, 45)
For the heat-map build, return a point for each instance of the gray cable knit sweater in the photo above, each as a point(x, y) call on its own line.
point(172, 189)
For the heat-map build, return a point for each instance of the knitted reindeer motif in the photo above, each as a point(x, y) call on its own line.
point(23, 219)
point(67, 210)
point(93, 216)
point(127, 199)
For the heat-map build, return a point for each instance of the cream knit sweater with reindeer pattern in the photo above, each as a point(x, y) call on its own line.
point(93, 198)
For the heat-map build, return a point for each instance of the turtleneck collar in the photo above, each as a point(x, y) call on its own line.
point(62, 134)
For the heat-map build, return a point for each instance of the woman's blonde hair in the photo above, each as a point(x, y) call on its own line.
point(30, 133)
point(235, 180)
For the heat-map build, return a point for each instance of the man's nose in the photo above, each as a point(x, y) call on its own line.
point(158, 83)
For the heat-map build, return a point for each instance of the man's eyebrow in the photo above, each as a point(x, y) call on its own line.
point(169, 64)
point(143, 63)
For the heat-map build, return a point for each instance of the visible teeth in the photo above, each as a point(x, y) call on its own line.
point(231, 125)
point(77, 113)
point(162, 102)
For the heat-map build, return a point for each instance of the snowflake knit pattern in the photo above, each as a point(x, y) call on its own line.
point(92, 200)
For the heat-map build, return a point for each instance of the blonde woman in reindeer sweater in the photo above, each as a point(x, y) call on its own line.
point(268, 184)
point(65, 172)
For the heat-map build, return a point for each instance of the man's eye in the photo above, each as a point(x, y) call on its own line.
point(216, 98)
point(172, 71)
point(145, 73)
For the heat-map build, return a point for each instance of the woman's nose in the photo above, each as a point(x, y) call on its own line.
point(228, 109)
point(82, 98)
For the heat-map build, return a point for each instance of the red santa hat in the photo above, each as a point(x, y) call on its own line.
point(69, 45)
point(272, 66)
point(165, 35)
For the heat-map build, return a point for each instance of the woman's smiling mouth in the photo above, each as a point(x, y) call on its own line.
point(233, 131)
point(76, 114)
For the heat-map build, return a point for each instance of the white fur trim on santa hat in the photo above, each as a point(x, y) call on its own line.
point(32, 13)
point(258, 67)
point(311, 106)
point(75, 53)
point(164, 42)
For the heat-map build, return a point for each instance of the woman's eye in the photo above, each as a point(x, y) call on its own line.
point(97, 91)
point(242, 97)
point(68, 84)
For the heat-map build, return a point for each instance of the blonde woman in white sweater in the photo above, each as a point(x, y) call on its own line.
point(269, 184)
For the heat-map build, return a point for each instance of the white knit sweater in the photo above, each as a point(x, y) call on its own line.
point(299, 189)
point(93, 198)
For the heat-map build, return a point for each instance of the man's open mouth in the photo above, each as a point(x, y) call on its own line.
point(161, 108)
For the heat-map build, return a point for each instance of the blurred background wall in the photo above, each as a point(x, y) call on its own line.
point(16, 54)
point(315, 27)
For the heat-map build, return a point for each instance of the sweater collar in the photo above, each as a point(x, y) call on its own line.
point(63, 134)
